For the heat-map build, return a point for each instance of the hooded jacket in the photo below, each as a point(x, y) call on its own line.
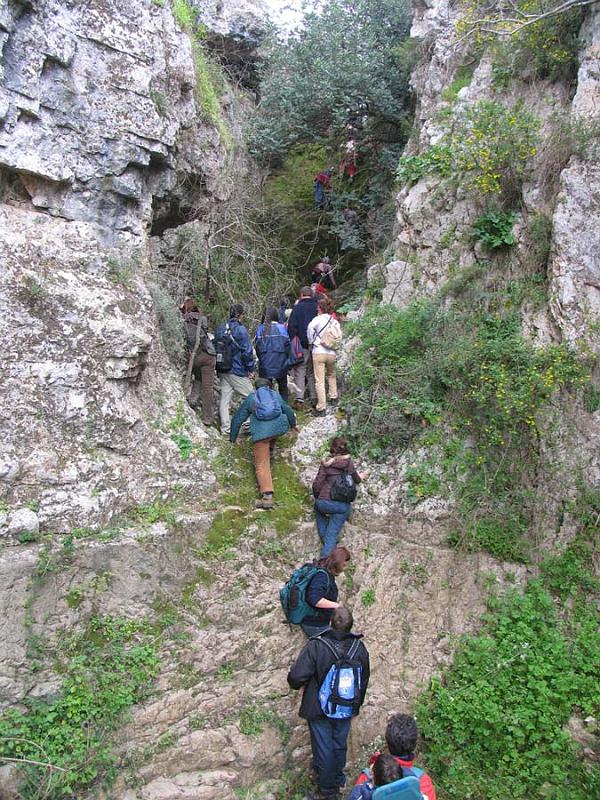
point(262, 428)
point(330, 469)
point(313, 664)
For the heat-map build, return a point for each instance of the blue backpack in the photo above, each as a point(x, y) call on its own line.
point(407, 788)
point(293, 595)
point(339, 693)
point(266, 404)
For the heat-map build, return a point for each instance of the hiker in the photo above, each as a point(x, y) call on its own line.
point(336, 649)
point(334, 490)
point(322, 591)
point(322, 186)
point(302, 313)
point(201, 360)
point(270, 417)
point(323, 273)
point(235, 362)
point(385, 770)
point(284, 310)
point(273, 348)
point(401, 736)
point(323, 356)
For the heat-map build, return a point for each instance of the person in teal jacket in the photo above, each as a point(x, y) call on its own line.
point(263, 433)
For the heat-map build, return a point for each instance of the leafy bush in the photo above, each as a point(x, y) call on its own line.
point(495, 229)
point(108, 669)
point(512, 687)
point(487, 148)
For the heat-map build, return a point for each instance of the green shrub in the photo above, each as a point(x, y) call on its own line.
point(495, 229)
point(464, 76)
point(513, 686)
point(487, 148)
point(108, 669)
point(170, 323)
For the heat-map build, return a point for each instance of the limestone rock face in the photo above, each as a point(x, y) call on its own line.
point(100, 130)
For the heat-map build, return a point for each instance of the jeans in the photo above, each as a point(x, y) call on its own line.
point(314, 630)
point(331, 515)
point(328, 739)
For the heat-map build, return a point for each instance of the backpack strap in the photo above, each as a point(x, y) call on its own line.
point(324, 326)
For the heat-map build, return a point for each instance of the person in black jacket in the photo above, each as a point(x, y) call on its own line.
point(322, 591)
point(303, 312)
point(328, 737)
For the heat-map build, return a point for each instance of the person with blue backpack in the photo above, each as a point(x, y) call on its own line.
point(334, 490)
point(333, 670)
point(234, 362)
point(401, 736)
point(270, 417)
point(274, 350)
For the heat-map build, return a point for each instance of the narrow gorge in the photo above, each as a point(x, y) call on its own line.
point(160, 149)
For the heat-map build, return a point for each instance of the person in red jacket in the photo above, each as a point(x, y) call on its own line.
point(401, 736)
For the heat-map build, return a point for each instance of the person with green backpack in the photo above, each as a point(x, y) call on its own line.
point(270, 417)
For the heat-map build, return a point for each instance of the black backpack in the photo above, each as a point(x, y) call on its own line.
point(224, 344)
point(343, 489)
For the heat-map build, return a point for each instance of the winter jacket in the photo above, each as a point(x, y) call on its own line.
point(262, 428)
point(363, 791)
point(273, 350)
point(302, 313)
point(331, 468)
point(323, 585)
point(243, 356)
point(313, 664)
point(425, 782)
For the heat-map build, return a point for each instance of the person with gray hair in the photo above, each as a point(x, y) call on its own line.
point(332, 664)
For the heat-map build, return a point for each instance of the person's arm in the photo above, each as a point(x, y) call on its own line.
point(316, 591)
point(303, 669)
point(293, 323)
point(427, 787)
point(240, 416)
point(243, 340)
point(366, 673)
point(310, 331)
point(353, 472)
point(319, 481)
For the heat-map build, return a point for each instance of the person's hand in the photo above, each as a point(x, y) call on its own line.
point(251, 375)
point(296, 430)
point(363, 475)
point(238, 441)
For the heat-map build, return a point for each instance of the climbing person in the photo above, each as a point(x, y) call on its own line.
point(235, 362)
point(334, 489)
point(385, 770)
point(303, 312)
point(270, 417)
point(329, 704)
point(323, 274)
point(324, 335)
point(401, 736)
point(322, 591)
point(201, 360)
point(273, 348)
point(322, 187)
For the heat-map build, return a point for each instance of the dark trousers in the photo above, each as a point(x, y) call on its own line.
point(203, 372)
point(282, 386)
point(328, 739)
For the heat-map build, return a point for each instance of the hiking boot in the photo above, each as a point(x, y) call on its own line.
point(265, 502)
point(334, 401)
point(319, 412)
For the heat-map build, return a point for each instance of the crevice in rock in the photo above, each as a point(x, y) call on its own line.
point(168, 213)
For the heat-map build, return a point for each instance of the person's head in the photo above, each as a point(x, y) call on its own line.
point(386, 770)
point(401, 735)
point(325, 305)
point(305, 291)
point(188, 305)
point(271, 315)
point(342, 619)
point(338, 446)
point(259, 382)
point(337, 561)
point(284, 302)
point(326, 260)
point(236, 311)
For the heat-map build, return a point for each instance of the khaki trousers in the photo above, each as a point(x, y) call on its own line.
point(324, 363)
point(262, 464)
point(230, 385)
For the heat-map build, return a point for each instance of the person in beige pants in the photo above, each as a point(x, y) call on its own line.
point(323, 357)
